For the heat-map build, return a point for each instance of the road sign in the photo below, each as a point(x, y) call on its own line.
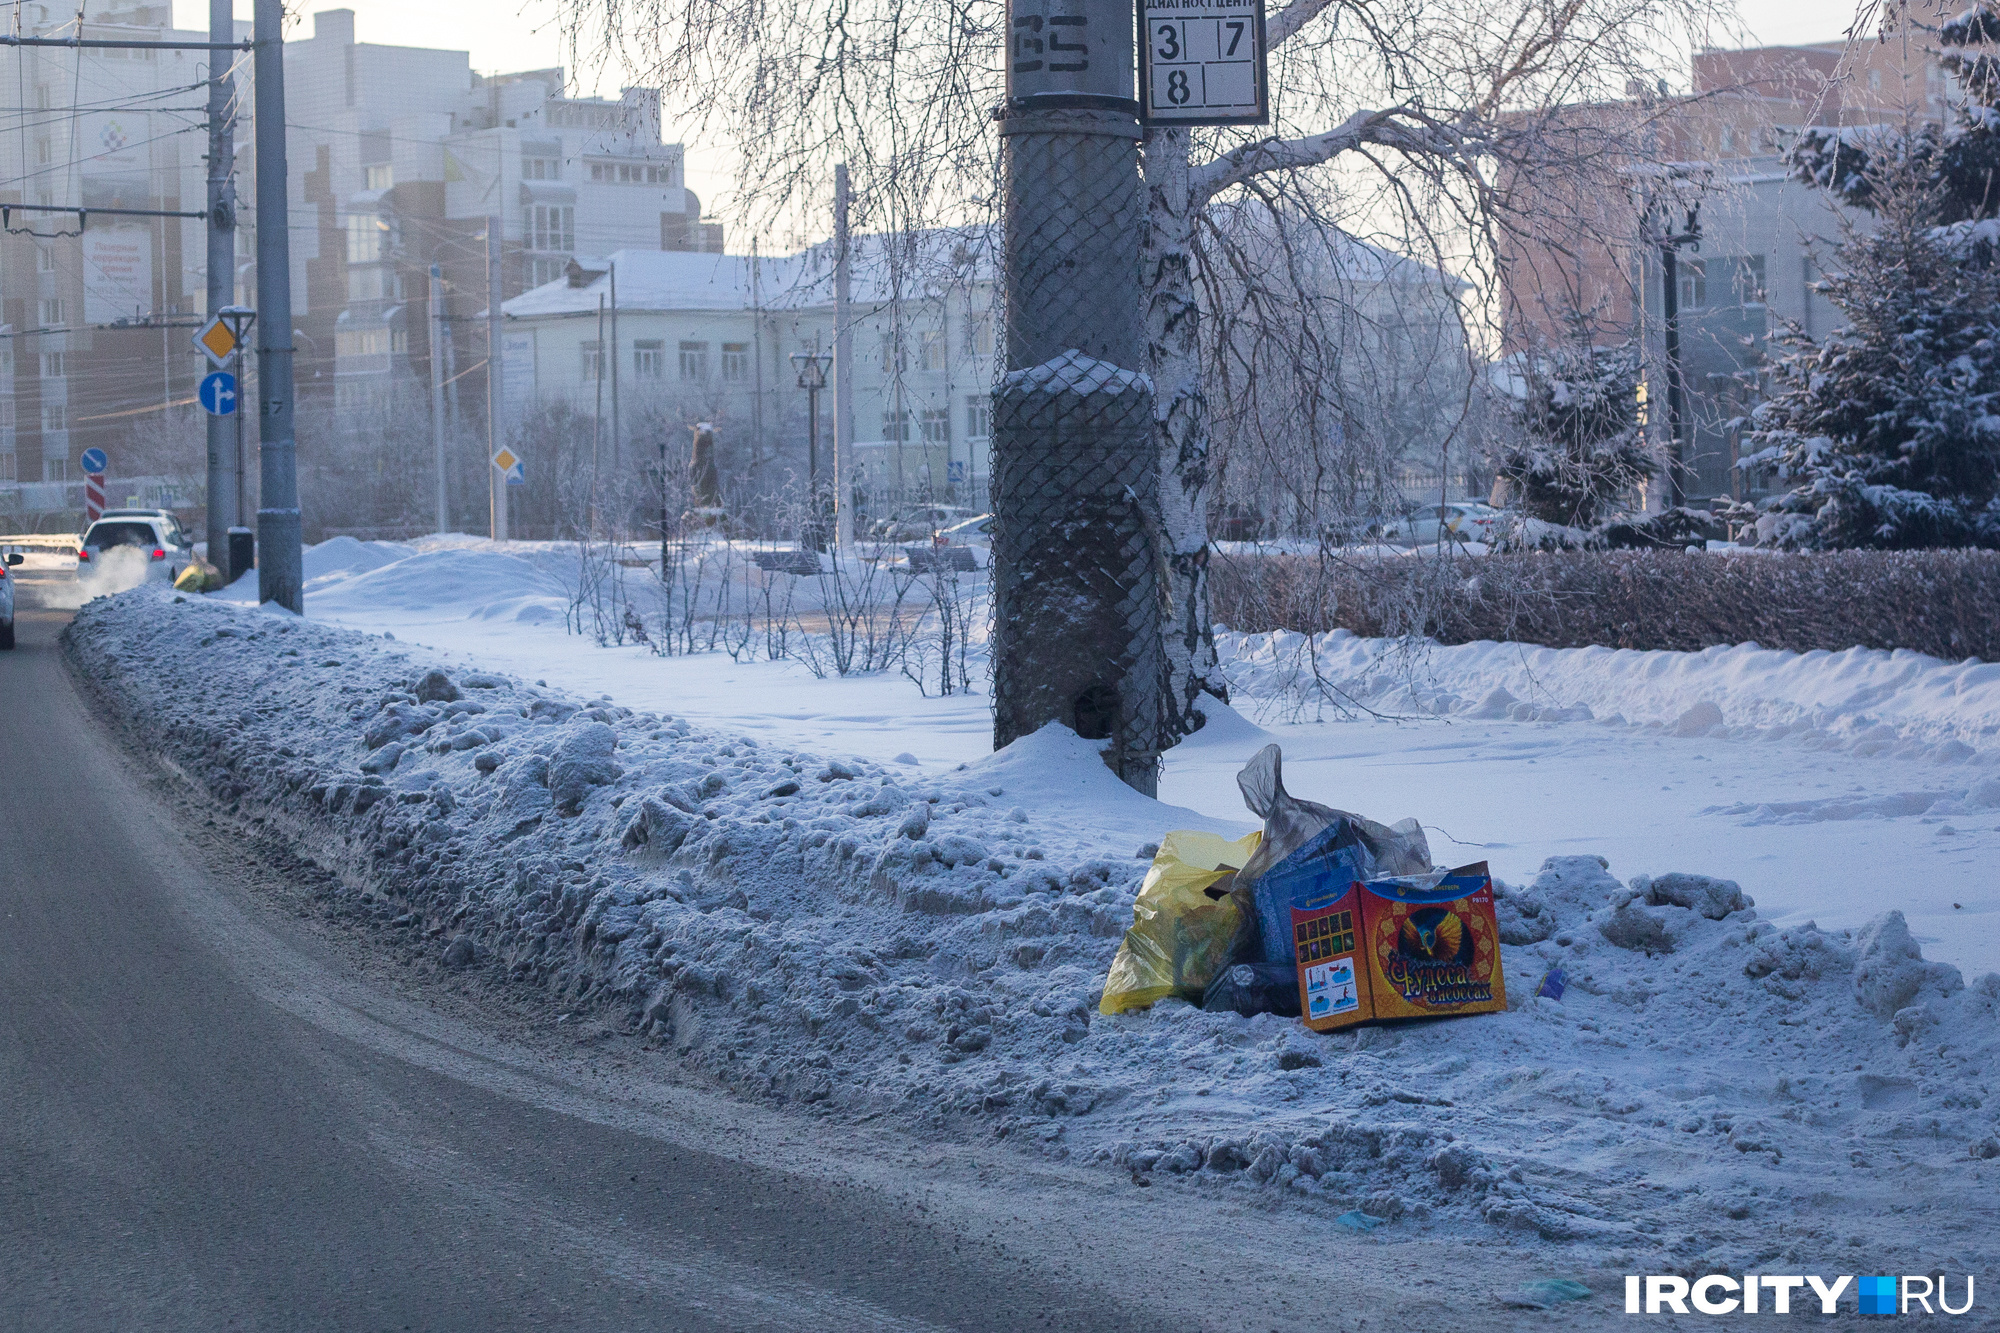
point(93, 495)
point(94, 461)
point(218, 394)
point(216, 341)
point(511, 466)
point(1203, 63)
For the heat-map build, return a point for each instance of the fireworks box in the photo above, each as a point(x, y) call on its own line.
point(1423, 946)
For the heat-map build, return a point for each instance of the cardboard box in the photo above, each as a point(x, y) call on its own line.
point(1401, 948)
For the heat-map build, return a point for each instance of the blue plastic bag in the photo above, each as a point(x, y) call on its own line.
point(1330, 862)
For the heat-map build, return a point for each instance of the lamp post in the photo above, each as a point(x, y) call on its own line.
point(812, 367)
point(1670, 243)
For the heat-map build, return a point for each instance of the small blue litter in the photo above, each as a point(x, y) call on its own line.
point(1358, 1220)
point(1555, 1290)
point(1553, 982)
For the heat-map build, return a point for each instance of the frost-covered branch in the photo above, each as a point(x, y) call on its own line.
point(1399, 128)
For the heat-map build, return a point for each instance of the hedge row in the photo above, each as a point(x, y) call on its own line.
point(1946, 603)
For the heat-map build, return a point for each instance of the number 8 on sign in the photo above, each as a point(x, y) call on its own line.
point(1204, 63)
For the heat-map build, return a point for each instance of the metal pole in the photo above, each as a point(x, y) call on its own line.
point(843, 365)
point(223, 456)
point(1670, 299)
point(817, 509)
point(281, 558)
point(496, 425)
point(617, 442)
point(437, 394)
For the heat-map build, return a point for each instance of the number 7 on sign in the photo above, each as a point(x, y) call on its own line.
point(1203, 63)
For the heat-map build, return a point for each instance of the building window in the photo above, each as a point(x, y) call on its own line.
point(44, 152)
point(8, 467)
point(735, 362)
point(979, 336)
point(399, 341)
point(549, 227)
point(378, 177)
point(895, 358)
point(55, 469)
point(930, 350)
point(649, 359)
point(55, 417)
point(694, 362)
point(53, 311)
point(361, 342)
point(52, 365)
point(934, 425)
point(1747, 279)
point(978, 416)
point(45, 259)
point(541, 272)
point(364, 238)
point(593, 361)
point(541, 168)
point(896, 427)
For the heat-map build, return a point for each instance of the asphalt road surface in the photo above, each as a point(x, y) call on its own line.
point(206, 1125)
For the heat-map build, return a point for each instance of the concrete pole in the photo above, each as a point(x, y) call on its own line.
point(496, 399)
point(223, 460)
point(843, 366)
point(437, 395)
point(280, 556)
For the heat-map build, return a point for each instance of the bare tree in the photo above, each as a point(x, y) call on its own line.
point(1397, 119)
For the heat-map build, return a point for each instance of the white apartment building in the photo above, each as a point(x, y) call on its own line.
point(689, 337)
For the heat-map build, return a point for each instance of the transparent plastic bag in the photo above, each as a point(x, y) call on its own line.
point(1369, 849)
point(1187, 922)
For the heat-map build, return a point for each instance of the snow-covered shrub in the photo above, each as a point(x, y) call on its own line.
point(1946, 603)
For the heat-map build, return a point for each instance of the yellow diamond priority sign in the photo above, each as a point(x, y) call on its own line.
point(217, 341)
point(510, 466)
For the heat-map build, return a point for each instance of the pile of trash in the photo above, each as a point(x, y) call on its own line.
point(1324, 915)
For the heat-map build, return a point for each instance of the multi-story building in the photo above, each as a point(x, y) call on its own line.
point(92, 343)
point(402, 153)
point(1720, 151)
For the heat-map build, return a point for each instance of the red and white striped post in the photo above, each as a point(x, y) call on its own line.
point(93, 497)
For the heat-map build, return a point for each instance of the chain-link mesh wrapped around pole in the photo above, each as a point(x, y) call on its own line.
point(1075, 477)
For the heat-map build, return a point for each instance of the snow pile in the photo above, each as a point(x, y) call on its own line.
point(862, 938)
point(1864, 700)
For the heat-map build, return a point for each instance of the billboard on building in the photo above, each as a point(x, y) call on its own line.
point(117, 274)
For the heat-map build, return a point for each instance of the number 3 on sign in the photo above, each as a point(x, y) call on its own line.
point(1204, 63)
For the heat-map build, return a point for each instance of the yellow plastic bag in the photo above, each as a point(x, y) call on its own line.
point(198, 577)
point(1184, 922)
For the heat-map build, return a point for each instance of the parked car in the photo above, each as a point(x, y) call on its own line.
point(1458, 521)
point(973, 532)
point(11, 559)
point(168, 548)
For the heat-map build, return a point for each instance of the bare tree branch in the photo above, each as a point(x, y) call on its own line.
point(1396, 127)
point(1282, 25)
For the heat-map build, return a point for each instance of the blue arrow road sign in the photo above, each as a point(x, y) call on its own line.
point(94, 461)
point(218, 393)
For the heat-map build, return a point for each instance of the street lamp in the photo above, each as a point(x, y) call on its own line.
point(812, 367)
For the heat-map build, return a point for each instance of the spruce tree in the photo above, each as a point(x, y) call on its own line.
point(1577, 447)
point(1885, 429)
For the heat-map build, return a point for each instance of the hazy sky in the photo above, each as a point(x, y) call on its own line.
point(523, 34)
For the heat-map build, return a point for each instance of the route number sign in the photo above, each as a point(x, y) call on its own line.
point(1203, 63)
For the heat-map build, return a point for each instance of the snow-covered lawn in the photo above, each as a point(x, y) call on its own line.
point(1830, 786)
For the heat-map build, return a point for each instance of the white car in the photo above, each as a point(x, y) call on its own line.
point(1459, 521)
point(166, 547)
point(13, 558)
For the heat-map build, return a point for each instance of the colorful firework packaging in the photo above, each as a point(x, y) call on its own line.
point(1418, 946)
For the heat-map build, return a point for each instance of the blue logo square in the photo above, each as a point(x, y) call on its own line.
point(1878, 1294)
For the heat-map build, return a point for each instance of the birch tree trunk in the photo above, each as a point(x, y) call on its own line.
point(1180, 427)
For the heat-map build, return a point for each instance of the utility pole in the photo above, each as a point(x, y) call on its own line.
point(496, 426)
point(843, 367)
point(281, 558)
point(617, 441)
point(1670, 308)
point(224, 456)
point(437, 393)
